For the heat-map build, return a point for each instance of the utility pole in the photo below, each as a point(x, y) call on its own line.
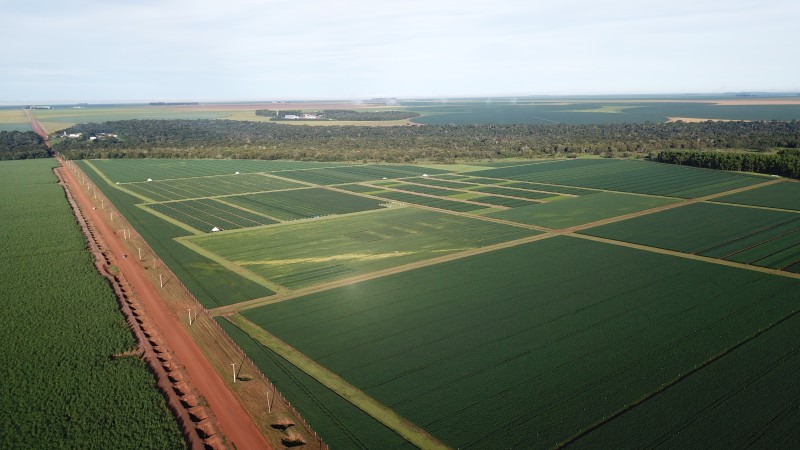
point(234, 371)
point(161, 283)
point(190, 315)
point(112, 216)
point(140, 253)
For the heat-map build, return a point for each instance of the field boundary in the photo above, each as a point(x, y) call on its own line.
point(116, 186)
point(337, 384)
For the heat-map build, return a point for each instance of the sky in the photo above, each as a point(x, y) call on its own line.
point(252, 50)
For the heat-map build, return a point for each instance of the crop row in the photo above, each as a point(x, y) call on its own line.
point(60, 327)
point(539, 335)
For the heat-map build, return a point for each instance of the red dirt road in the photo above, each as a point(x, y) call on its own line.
point(234, 422)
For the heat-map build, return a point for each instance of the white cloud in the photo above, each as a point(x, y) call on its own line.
point(312, 48)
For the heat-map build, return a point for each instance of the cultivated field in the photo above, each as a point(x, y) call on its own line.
point(70, 374)
point(523, 304)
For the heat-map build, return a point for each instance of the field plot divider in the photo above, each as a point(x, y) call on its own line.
point(233, 267)
point(116, 186)
point(383, 414)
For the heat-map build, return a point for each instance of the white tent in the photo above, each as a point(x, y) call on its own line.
point(214, 230)
point(237, 173)
point(149, 179)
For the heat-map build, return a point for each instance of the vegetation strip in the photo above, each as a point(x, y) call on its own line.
point(381, 413)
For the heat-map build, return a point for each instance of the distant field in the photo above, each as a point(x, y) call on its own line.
point(577, 111)
point(14, 120)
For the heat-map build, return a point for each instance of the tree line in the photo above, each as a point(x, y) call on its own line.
point(441, 143)
point(785, 162)
point(22, 145)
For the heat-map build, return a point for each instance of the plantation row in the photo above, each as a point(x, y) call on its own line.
point(485, 352)
point(60, 327)
point(628, 176)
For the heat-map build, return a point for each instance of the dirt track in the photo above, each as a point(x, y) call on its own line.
point(233, 420)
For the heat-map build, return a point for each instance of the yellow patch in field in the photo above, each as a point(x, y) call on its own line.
point(324, 259)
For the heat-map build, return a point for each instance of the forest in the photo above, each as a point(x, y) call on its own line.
point(439, 143)
point(784, 163)
point(22, 145)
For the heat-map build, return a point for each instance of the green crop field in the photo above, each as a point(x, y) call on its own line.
point(781, 195)
point(526, 347)
point(628, 176)
point(762, 237)
point(435, 298)
point(60, 327)
point(325, 250)
point(211, 186)
point(581, 210)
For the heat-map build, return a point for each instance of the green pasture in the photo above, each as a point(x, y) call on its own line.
point(580, 210)
point(319, 251)
point(357, 173)
point(526, 347)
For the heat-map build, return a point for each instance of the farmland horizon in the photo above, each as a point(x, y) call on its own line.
point(390, 100)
